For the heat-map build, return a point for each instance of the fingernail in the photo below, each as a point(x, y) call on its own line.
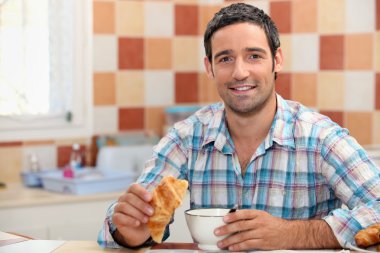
point(217, 231)
point(226, 218)
point(145, 219)
point(150, 210)
point(137, 223)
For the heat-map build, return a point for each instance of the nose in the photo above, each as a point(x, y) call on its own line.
point(240, 71)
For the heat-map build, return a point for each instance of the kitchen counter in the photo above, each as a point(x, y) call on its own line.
point(16, 195)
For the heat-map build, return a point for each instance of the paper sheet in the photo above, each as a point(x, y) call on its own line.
point(40, 246)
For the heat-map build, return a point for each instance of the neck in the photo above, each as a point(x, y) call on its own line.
point(252, 127)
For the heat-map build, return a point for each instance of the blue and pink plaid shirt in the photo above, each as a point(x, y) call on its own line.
point(306, 168)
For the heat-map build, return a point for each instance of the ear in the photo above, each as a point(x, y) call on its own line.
point(278, 60)
point(208, 67)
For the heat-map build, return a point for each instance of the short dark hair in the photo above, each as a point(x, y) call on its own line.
point(240, 13)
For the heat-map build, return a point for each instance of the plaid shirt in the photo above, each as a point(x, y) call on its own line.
point(306, 167)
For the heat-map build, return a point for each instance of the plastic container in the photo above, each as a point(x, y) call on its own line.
point(178, 113)
point(87, 181)
point(33, 179)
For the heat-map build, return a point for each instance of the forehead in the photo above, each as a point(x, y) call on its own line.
point(239, 36)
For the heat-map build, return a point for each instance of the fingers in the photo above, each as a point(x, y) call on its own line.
point(133, 208)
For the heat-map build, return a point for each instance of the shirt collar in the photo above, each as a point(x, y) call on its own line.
point(281, 130)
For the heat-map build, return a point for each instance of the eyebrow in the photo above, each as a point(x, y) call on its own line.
point(248, 49)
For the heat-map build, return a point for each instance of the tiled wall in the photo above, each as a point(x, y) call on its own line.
point(149, 55)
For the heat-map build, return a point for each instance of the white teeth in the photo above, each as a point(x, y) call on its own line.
point(243, 88)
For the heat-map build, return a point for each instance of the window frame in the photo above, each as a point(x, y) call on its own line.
point(15, 128)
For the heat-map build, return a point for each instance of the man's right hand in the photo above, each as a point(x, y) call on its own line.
point(131, 215)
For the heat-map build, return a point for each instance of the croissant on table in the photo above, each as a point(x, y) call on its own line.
point(368, 236)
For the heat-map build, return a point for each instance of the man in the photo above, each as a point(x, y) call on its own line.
point(288, 168)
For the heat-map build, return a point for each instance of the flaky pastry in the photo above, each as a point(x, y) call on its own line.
point(167, 197)
point(368, 236)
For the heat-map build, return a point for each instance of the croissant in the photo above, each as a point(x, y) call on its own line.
point(369, 236)
point(167, 197)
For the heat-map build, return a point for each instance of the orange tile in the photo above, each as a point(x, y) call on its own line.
point(130, 18)
point(186, 19)
point(281, 13)
point(360, 126)
point(304, 15)
point(37, 143)
point(131, 53)
point(155, 120)
point(104, 17)
point(361, 60)
point(10, 164)
point(206, 13)
point(186, 87)
point(207, 90)
point(377, 51)
point(377, 14)
point(283, 85)
point(186, 53)
point(130, 88)
point(104, 89)
point(377, 92)
point(131, 118)
point(158, 53)
point(304, 88)
point(331, 16)
point(331, 52)
point(331, 90)
point(336, 116)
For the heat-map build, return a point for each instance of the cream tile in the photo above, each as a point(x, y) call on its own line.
point(286, 45)
point(130, 18)
point(376, 54)
point(211, 1)
point(10, 164)
point(359, 91)
point(261, 4)
point(376, 128)
point(159, 19)
point(331, 16)
point(104, 53)
point(360, 16)
point(46, 154)
point(186, 53)
point(159, 88)
point(305, 53)
point(130, 88)
point(330, 91)
point(105, 120)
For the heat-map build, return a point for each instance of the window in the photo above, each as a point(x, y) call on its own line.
point(45, 70)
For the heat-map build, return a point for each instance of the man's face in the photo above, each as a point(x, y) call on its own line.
point(242, 67)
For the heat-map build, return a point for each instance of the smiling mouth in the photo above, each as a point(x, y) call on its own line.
point(243, 88)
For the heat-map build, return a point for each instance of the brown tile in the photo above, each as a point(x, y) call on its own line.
point(186, 19)
point(377, 14)
point(336, 116)
point(158, 53)
point(283, 85)
point(207, 90)
point(131, 53)
point(186, 87)
point(377, 92)
point(206, 13)
point(104, 17)
point(131, 118)
point(331, 52)
point(304, 88)
point(104, 89)
point(281, 13)
point(10, 164)
point(360, 126)
point(155, 120)
point(304, 16)
point(355, 60)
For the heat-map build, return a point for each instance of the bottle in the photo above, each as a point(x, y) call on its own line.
point(76, 158)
